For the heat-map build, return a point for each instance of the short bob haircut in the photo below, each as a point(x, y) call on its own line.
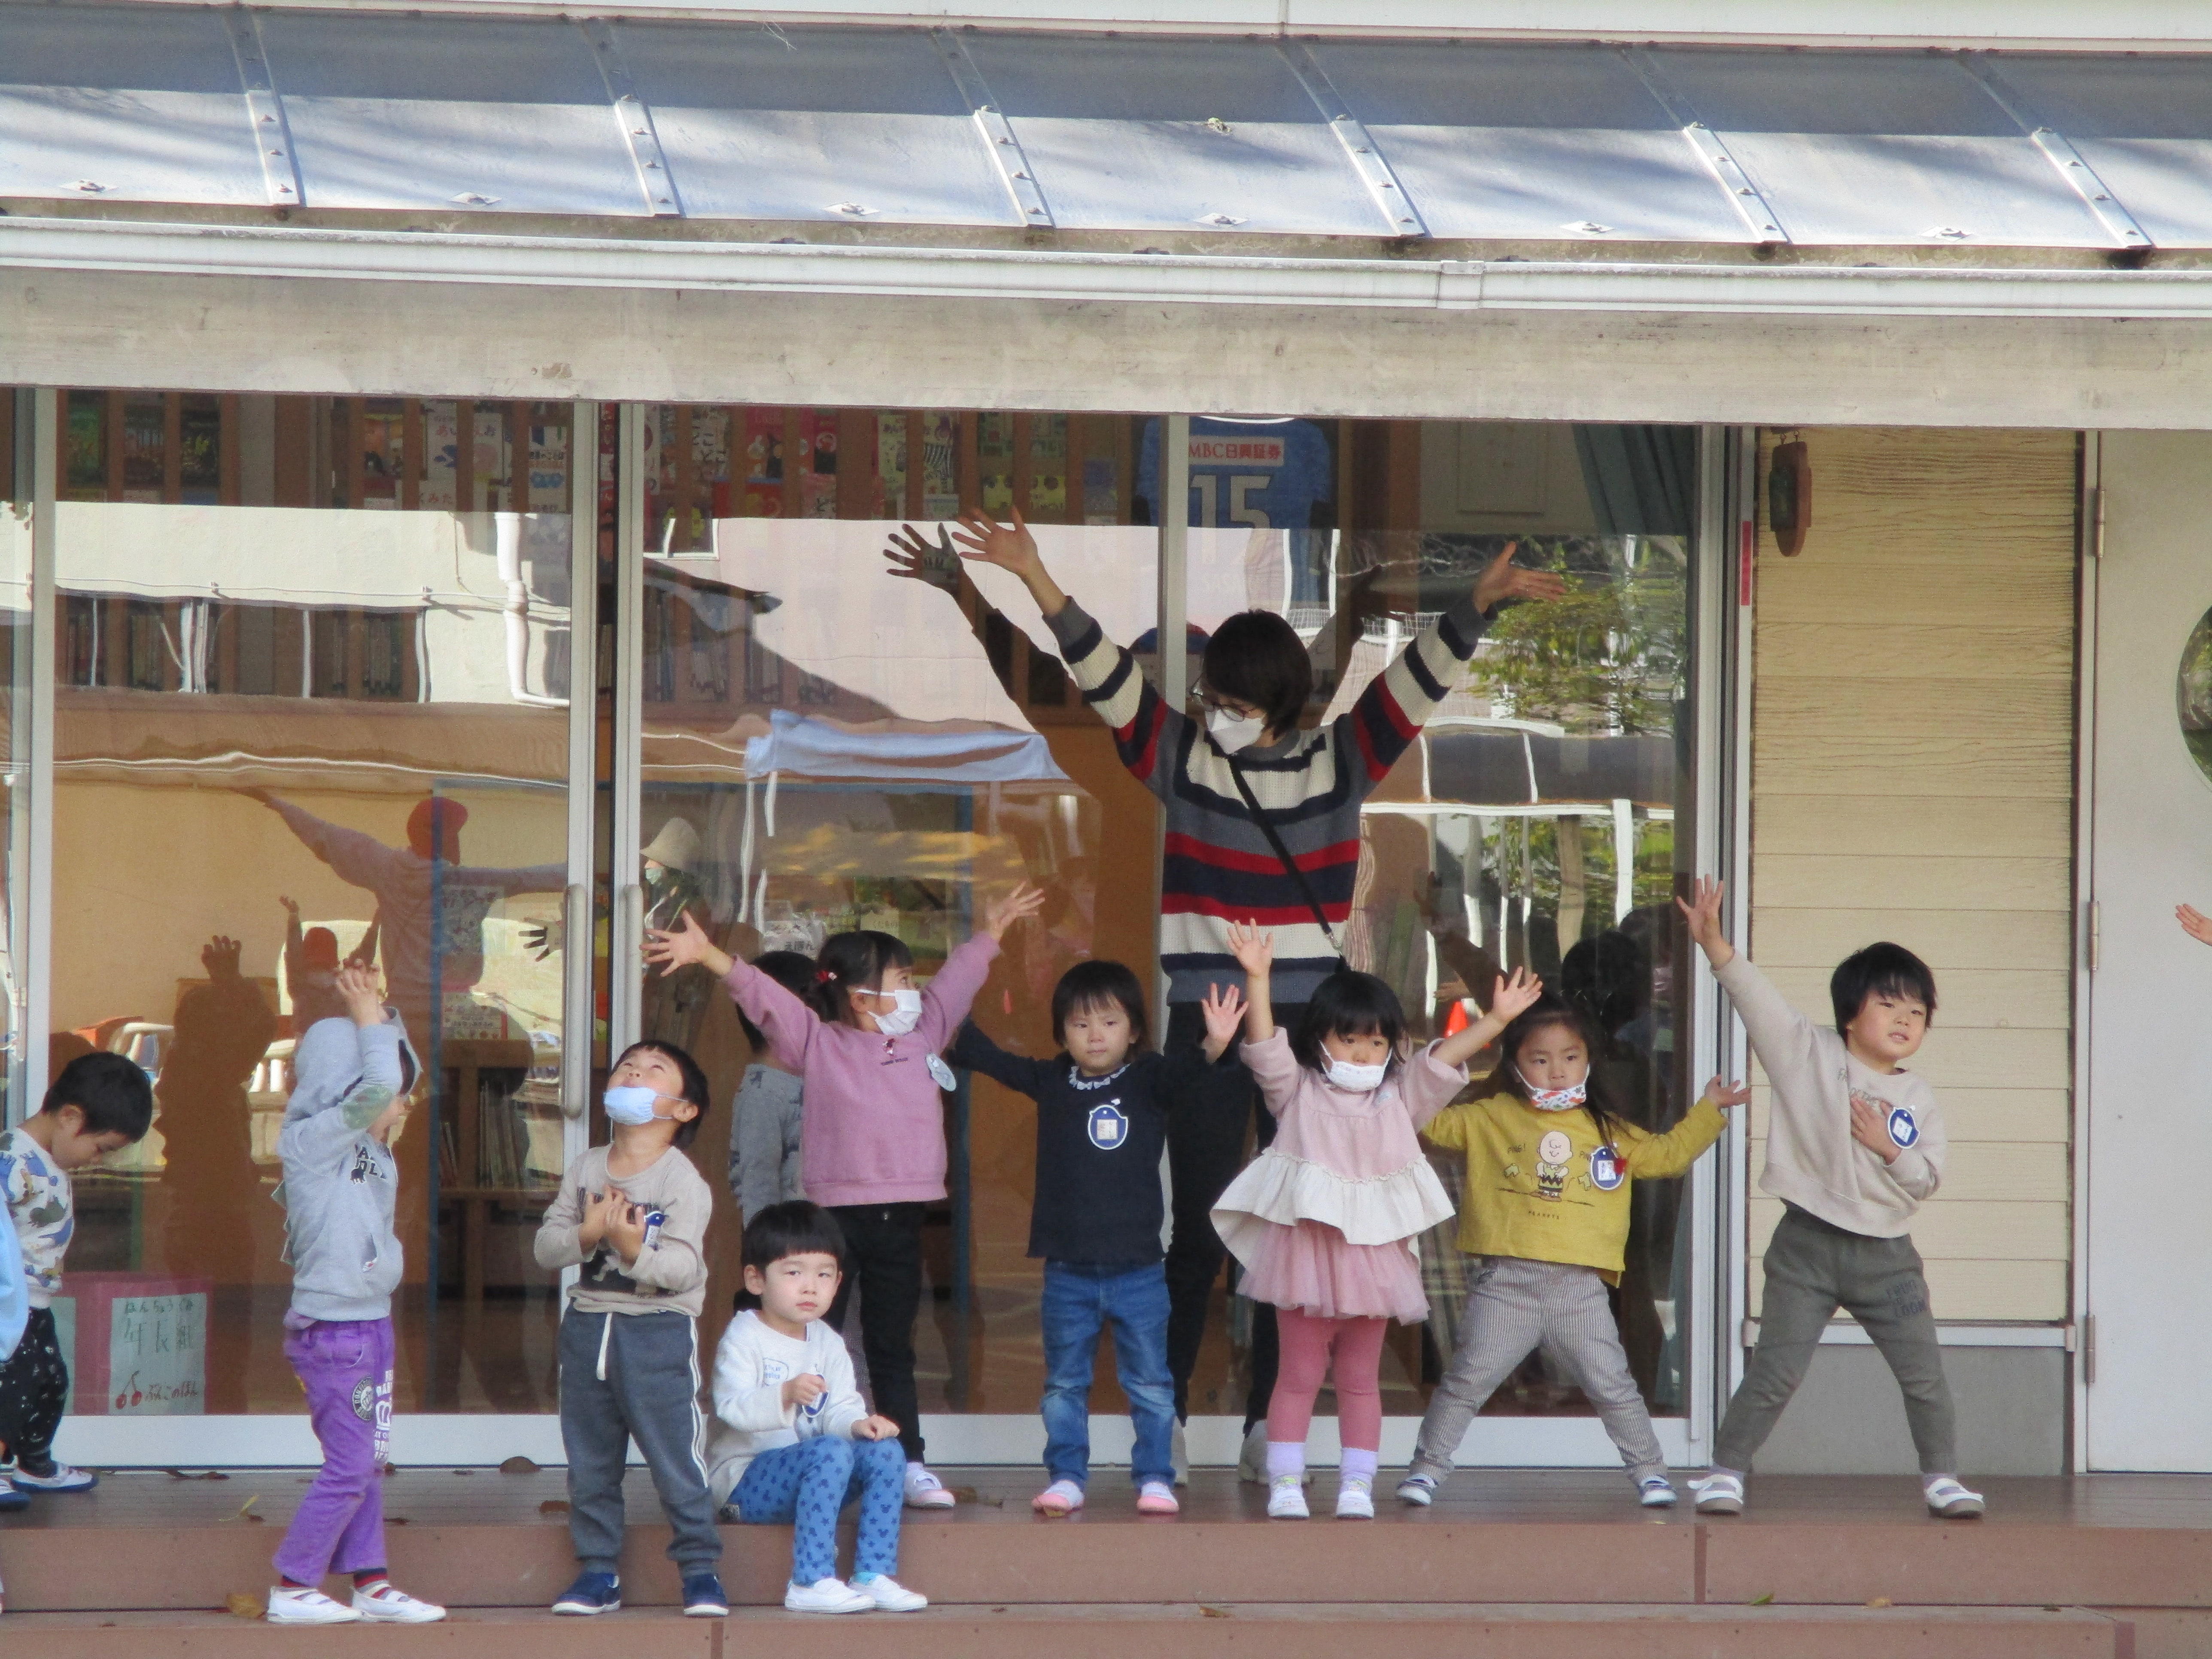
point(853, 962)
point(793, 1228)
point(1256, 658)
point(1883, 970)
point(696, 1087)
point(1090, 985)
point(1348, 1003)
point(111, 1090)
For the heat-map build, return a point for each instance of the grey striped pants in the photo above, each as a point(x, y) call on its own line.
point(1515, 1306)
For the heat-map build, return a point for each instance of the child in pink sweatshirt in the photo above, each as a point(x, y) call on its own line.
point(872, 1143)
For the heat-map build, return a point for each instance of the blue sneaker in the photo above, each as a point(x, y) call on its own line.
point(10, 1498)
point(593, 1592)
point(703, 1597)
point(54, 1477)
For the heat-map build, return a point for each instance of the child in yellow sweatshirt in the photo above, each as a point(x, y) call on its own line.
point(1546, 1212)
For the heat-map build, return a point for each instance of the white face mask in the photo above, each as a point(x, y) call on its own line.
point(1234, 732)
point(904, 1016)
point(629, 1102)
point(1358, 1079)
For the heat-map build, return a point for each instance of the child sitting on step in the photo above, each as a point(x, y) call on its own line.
point(793, 1443)
point(1545, 1215)
point(1856, 1147)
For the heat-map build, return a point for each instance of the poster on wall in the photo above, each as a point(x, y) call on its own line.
point(139, 1344)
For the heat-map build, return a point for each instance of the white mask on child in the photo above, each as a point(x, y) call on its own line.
point(1555, 1100)
point(630, 1103)
point(1234, 732)
point(1356, 1079)
point(903, 1016)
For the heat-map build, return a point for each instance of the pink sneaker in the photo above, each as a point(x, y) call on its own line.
point(1157, 1498)
point(1061, 1498)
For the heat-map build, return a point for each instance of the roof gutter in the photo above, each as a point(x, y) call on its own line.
point(36, 244)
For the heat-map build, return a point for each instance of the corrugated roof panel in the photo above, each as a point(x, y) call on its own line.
point(1539, 142)
point(2144, 124)
point(1175, 133)
point(149, 112)
point(407, 112)
point(1881, 148)
point(845, 124)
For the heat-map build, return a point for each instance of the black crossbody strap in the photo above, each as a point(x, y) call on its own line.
point(1282, 853)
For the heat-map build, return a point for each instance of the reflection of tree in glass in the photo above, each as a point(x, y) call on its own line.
point(2193, 694)
point(1606, 659)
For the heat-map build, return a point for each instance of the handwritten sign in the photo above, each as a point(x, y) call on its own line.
point(157, 1356)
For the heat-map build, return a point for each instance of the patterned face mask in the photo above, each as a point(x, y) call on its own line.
point(1554, 1100)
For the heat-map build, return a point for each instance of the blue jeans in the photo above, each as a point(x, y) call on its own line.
point(806, 1487)
point(1081, 1298)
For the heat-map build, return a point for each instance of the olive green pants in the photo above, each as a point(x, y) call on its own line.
point(1812, 1268)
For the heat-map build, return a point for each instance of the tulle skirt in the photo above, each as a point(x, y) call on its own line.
point(1312, 1266)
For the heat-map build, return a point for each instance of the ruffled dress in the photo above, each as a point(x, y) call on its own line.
point(1328, 1219)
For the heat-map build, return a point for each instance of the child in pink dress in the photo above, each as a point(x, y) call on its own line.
point(1325, 1220)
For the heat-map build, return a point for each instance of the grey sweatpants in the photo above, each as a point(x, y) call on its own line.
point(1812, 1268)
point(627, 1377)
point(1515, 1305)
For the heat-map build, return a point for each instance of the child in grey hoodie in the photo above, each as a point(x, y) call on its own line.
point(350, 1078)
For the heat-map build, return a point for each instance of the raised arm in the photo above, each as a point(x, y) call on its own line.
point(977, 1053)
point(1652, 1157)
point(355, 858)
point(1255, 951)
point(1783, 1038)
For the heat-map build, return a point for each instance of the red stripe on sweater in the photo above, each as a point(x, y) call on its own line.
point(1280, 915)
point(1408, 730)
point(1258, 864)
point(1147, 756)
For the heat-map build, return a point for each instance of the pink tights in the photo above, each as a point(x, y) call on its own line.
point(1309, 1345)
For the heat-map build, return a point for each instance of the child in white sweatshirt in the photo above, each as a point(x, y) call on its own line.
point(1854, 1145)
point(792, 1442)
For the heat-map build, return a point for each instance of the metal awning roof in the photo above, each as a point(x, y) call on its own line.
point(1243, 139)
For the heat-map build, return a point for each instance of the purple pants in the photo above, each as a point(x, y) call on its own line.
point(345, 1365)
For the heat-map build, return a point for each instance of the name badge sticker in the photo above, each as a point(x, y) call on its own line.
point(1108, 1127)
point(1605, 1171)
point(1904, 1128)
point(942, 1072)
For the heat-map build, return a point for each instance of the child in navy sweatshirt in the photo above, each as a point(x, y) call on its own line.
point(1103, 1108)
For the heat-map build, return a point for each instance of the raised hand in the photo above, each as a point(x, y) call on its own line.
point(358, 988)
point(1223, 1006)
point(1253, 947)
point(219, 956)
point(914, 556)
point(985, 540)
point(291, 905)
point(1509, 998)
point(1503, 581)
point(1727, 1096)
point(2194, 922)
point(1702, 912)
point(671, 948)
point(1001, 914)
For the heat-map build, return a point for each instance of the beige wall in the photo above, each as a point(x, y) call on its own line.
point(1912, 740)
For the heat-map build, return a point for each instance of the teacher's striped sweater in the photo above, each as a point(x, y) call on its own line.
point(1217, 867)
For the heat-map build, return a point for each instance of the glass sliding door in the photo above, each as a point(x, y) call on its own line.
point(315, 660)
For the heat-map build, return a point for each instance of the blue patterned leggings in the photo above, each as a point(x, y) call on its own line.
point(807, 1487)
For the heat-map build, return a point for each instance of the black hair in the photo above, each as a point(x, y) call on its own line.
point(1883, 970)
point(696, 1088)
point(791, 969)
point(1544, 1013)
point(854, 960)
point(793, 1228)
point(1090, 985)
point(1348, 1003)
point(1257, 657)
point(110, 1090)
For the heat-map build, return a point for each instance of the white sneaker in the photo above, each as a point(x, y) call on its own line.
point(1719, 1494)
point(924, 1491)
point(889, 1595)
point(382, 1604)
point(1286, 1499)
point(827, 1595)
point(1949, 1498)
point(1355, 1500)
point(1656, 1492)
point(1418, 1490)
point(1179, 1453)
point(308, 1607)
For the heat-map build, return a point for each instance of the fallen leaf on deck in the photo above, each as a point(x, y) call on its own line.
point(1881, 1601)
point(1214, 1613)
point(396, 1521)
point(554, 1506)
point(1765, 1601)
point(964, 1494)
point(518, 1466)
point(242, 1607)
point(245, 1509)
point(205, 1474)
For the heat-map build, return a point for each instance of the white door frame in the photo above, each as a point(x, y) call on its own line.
point(2080, 1329)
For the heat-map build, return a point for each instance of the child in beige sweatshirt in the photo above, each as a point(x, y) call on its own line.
point(1854, 1143)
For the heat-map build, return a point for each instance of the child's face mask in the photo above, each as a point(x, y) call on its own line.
point(1359, 1080)
point(904, 1015)
point(631, 1103)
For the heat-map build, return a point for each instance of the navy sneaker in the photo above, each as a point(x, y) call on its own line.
point(52, 1476)
point(703, 1597)
point(593, 1592)
point(9, 1497)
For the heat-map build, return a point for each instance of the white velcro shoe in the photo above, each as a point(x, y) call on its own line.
point(827, 1595)
point(1286, 1499)
point(381, 1604)
point(1355, 1500)
point(1951, 1500)
point(1418, 1490)
point(889, 1595)
point(1719, 1494)
point(307, 1607)
point(924, 1491)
